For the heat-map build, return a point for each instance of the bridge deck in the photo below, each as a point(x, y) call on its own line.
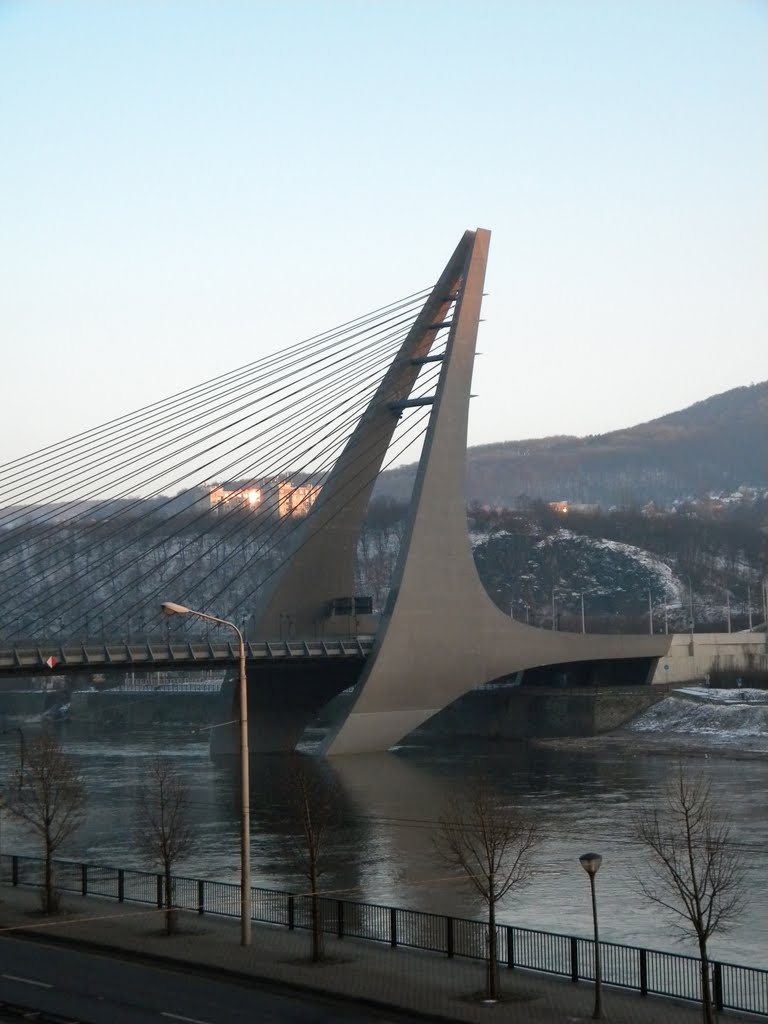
point(29, 659)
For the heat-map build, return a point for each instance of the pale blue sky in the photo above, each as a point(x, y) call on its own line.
point(187, 185)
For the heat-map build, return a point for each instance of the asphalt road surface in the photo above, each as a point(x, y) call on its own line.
point(94, 989)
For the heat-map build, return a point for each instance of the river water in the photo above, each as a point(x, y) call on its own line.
point(381, 847)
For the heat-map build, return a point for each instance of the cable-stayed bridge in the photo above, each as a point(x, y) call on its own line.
point(270, 470)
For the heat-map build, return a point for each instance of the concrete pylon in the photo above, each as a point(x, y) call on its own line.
point(321, 563)
point(441, 635)
point(284, 697)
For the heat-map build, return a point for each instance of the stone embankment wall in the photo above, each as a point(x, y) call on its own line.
point(508, 712)
point(111, 707)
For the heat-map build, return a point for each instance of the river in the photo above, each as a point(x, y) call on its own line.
point(381, 847)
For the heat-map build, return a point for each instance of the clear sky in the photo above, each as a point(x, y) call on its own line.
point(188, 184)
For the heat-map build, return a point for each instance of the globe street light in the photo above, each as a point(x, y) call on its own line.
point(591, 863)
point(169, 608)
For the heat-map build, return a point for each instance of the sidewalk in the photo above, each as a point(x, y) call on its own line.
point(395, 979)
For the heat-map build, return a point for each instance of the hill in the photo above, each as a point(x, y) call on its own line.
point(714, 445)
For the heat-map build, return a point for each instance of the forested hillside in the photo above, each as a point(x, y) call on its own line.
point(712, 446)
point(107, 578)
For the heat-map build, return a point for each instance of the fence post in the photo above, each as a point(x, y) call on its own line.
point(718, 984)
point(200, 896)
point(14, 870)
point(574, 959)
point(392, 926)
point(449, 936)
point(291, 912)
point(340, 918)
point(160, 892)
point(120, 885)
point(84, 879)
point(510, 946)
point(643, 972)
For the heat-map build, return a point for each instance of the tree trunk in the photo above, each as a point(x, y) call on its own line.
point(49, 902)
point(710, 1017)
point(493, 953)
point(170, 914)
point(317, 924)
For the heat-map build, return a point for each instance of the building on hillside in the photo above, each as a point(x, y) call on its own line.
point(281, 497)
point(231, 493)
point(564, 507)
point(295, 499)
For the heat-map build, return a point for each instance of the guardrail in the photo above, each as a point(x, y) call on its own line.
point(646, 971)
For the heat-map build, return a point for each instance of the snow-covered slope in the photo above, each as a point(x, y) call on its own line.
point(732, 717)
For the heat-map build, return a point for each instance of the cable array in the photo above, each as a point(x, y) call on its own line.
point(193, 498)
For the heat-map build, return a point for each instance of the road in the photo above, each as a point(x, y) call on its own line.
point(96, 989)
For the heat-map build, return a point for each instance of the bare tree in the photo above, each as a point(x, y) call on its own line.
point(48, 798)
point(694, 869)
point(313, 807)
point(493, 846)
point(163, 829)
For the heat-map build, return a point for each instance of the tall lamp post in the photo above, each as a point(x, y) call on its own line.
point(591, 863)
point(169, 608)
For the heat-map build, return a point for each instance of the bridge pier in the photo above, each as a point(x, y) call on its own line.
point(283, 699)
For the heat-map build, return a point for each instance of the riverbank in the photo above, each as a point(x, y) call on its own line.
point(688, 722)
point(633, 744)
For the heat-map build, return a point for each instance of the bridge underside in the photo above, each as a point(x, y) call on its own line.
point(284, 697)
point(607, 672)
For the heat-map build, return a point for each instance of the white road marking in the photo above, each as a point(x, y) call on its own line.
point(188, 1020)
point(27, 981)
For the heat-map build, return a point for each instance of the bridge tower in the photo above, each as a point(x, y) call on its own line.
point(440, 634)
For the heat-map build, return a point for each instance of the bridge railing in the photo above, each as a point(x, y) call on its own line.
point(646, 971)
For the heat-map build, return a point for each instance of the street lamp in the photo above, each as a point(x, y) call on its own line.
point(690, 601)
point(591, 863)
point(169, 608)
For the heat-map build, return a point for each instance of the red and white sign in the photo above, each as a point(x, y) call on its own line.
point(50, 662)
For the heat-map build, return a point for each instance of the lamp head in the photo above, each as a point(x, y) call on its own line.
point(591, 862)
point(169, 608)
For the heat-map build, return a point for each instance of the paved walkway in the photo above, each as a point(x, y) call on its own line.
point(396, 979)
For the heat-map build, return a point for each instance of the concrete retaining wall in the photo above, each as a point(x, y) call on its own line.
point(692, 657)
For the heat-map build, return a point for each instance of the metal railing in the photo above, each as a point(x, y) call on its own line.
point(646, 971)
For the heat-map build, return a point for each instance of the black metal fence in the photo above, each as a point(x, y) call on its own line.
point(646, 971)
